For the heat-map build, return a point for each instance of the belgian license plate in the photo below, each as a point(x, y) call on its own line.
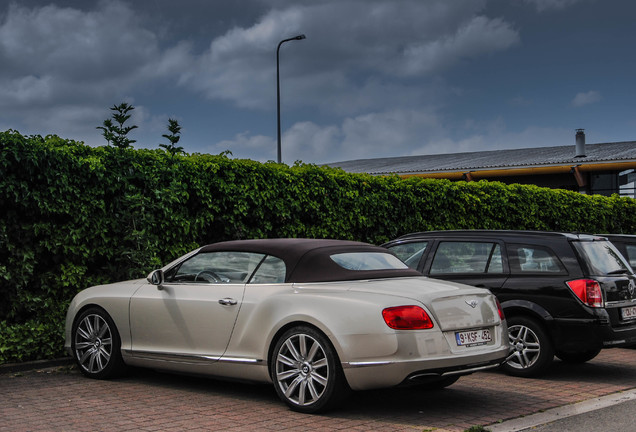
point(628, 313)
point(473, 337)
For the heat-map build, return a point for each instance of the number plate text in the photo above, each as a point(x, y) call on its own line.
point(628, 313)
point(473, 337)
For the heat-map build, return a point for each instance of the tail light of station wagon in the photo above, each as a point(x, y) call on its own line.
point(588, 291)
point(407, 318)
point(500, 310)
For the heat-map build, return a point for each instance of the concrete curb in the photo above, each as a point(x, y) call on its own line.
point(37, 364)
point(553, 414)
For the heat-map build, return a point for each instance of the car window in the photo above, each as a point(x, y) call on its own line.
point(368, 261)
point(602, 257)
point(272, 270)
point(410, 253)
point(631, 255)
point(216, 267)
point(467, 257)
point(533, 259)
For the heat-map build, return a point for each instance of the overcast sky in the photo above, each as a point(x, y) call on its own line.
point(374, 78)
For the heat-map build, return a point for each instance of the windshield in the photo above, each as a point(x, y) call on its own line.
point(601, 257)
point(411, 253)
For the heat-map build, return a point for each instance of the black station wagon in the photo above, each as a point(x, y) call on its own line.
point(568, 295)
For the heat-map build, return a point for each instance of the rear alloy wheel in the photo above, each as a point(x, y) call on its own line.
point(577, 357)
point(96, 345)
point(306, 372)
point(531, 351)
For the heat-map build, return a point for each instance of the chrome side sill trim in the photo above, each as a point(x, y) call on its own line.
point(189, 358)
point(239, 360)
point(365, 363)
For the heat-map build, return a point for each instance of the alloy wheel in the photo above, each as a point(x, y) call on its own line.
point(93, 343)
point(302, 369)
point(524, 346)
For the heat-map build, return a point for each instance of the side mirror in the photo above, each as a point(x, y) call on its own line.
point(156, 278)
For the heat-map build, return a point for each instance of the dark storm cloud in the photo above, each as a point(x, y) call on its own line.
point(424, 75)
point(104, 49)
point(351, 45)
point(365, 59)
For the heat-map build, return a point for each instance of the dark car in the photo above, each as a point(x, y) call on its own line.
point(564, 294)
point(626, 244)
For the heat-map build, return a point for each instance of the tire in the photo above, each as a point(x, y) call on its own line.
point(577, 357)
point(531, 350)
point(96, 344)
point(306, 371)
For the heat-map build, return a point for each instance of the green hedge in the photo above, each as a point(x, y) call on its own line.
point(73, 216)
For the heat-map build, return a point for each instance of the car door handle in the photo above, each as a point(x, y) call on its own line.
point(227, 301)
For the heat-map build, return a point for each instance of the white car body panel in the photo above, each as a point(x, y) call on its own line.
point(184, 319)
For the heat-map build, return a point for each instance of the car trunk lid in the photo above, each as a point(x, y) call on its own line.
point(454, 306)
point(469, 311)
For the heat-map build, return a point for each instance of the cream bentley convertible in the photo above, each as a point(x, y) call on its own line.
point(315, 317)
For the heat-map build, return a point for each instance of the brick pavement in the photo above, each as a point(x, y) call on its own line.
point(61, 399)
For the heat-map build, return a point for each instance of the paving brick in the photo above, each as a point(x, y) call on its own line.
point(61, 399)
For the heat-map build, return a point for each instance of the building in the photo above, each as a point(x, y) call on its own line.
point(604, 169)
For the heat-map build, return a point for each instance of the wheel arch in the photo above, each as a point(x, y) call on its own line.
point(87, 306)
point(297, 323)
point(99, 355)
point(71, 319)
point(120, 326)
point(528, 309)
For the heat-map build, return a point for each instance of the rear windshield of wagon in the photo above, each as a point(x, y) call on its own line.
point(601, 257)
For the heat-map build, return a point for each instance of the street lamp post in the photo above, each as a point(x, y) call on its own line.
point(299, 37)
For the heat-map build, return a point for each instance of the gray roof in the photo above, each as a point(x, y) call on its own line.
point(494, 159)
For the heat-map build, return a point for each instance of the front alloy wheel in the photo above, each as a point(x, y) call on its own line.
point(96, 344)
point(305, 371)
point(531, 351)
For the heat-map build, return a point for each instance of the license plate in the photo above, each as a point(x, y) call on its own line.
point(473, 337)
point(628, 313)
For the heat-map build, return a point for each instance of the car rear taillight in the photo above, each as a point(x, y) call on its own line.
point(588, 291)
point(500, 310)
point(407, 318)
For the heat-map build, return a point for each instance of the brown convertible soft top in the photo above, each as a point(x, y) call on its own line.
point(309, 260)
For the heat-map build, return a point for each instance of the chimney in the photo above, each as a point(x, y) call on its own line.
point(580, 143)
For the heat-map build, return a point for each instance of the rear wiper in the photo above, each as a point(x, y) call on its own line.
point(619, 271)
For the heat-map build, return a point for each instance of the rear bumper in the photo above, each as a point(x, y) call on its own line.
point(620, 337)
point(583, 335)
point(380, 374)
